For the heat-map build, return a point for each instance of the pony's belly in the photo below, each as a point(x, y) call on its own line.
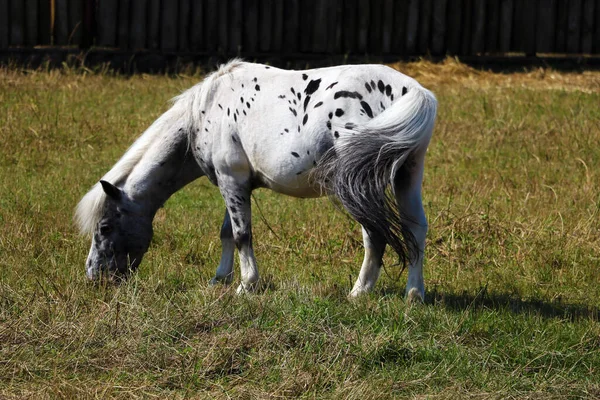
point(295, 186)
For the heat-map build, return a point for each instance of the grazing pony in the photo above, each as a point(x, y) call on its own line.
point(358, 133)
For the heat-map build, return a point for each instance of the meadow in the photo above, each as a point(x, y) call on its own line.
point(512, 262)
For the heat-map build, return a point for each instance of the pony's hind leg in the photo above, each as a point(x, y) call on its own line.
point(224, 272)
point(371, 266)
point(407, 188)
point(237, 200)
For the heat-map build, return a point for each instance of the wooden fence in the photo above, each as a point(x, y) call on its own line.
point(285, 27)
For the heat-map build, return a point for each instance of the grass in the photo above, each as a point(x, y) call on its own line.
point(511, 191)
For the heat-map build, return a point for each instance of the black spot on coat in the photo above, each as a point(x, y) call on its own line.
point(367, 108)
point(295, 154)
point(306, 100)
point(257, 88)
point(332, 85)
point(380, 86)
point(312, 86)
point(319, 104)
point(304, 77)
point(339, 112)
point(368, 87)
point(293, 112)
point(388, 90)
point(345, 93)
point(305, 119)
point(404, 90)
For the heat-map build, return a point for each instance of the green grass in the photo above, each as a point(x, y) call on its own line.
point(512, 270)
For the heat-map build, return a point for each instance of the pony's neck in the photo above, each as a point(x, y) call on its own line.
point(167, 166)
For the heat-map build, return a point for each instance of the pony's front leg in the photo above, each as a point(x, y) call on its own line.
point(224, 272)
point(371, 266)
point(237, 200)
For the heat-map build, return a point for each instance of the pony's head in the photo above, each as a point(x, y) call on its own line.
point(120, 237)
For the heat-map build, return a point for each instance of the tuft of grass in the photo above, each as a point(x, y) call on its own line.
point(511, 268)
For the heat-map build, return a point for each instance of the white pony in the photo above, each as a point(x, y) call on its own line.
point(358, 133)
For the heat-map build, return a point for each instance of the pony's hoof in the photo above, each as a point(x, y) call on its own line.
point(356, 293)
point(219, 281)
point(246, 289)
point(414, 296)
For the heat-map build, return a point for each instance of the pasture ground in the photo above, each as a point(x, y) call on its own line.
point(512, 273)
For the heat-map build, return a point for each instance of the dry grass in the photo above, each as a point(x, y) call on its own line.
point(512, 262)
point(450, 72)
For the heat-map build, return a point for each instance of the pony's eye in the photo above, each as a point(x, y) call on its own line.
point(105, 229)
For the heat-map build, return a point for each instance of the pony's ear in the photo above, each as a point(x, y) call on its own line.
point(111, 190)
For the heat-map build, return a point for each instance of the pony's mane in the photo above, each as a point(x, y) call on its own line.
point(186, 108)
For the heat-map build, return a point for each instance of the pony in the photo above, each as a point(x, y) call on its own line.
point(356, 133)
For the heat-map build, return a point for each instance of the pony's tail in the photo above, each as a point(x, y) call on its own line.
point(360, 169)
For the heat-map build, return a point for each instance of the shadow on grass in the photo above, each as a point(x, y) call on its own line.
point(512, 303)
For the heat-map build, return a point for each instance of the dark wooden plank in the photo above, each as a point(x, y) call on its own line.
point(319, 24)
point(412, 26)
point(168, 25)
point(123, 30)
point(335, 42)
point(492, 26)
point(387, 27)
point(185, 8)
point(250, 26)
point(88, 24)
point(438, 31)
point(278, 22)
point(137, 28)
point(528, 23)
point(332, 31)
point(61, 22)
point(75, 21)
point(31, 22)
point(587, 29)
point(574, 27)
point(223, 26)
point(236, 22)
point(197, 26)
point(375, 32)
point(4, 26)
point(546, 26)
point(307, 13)
point(107, 23)
point(362, 37)
point(596, 48)
point(562, 17)
point(17, 23)
point(45, 30)
point(467, 31)
point(348, 26)
point(265, 24)
point(425, 27)
point(454, 35)
point(478, 30)
point(211, 20)
point(291, 12)
point(506, 21)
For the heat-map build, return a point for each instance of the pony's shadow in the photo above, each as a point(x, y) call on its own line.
point(513, 303)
